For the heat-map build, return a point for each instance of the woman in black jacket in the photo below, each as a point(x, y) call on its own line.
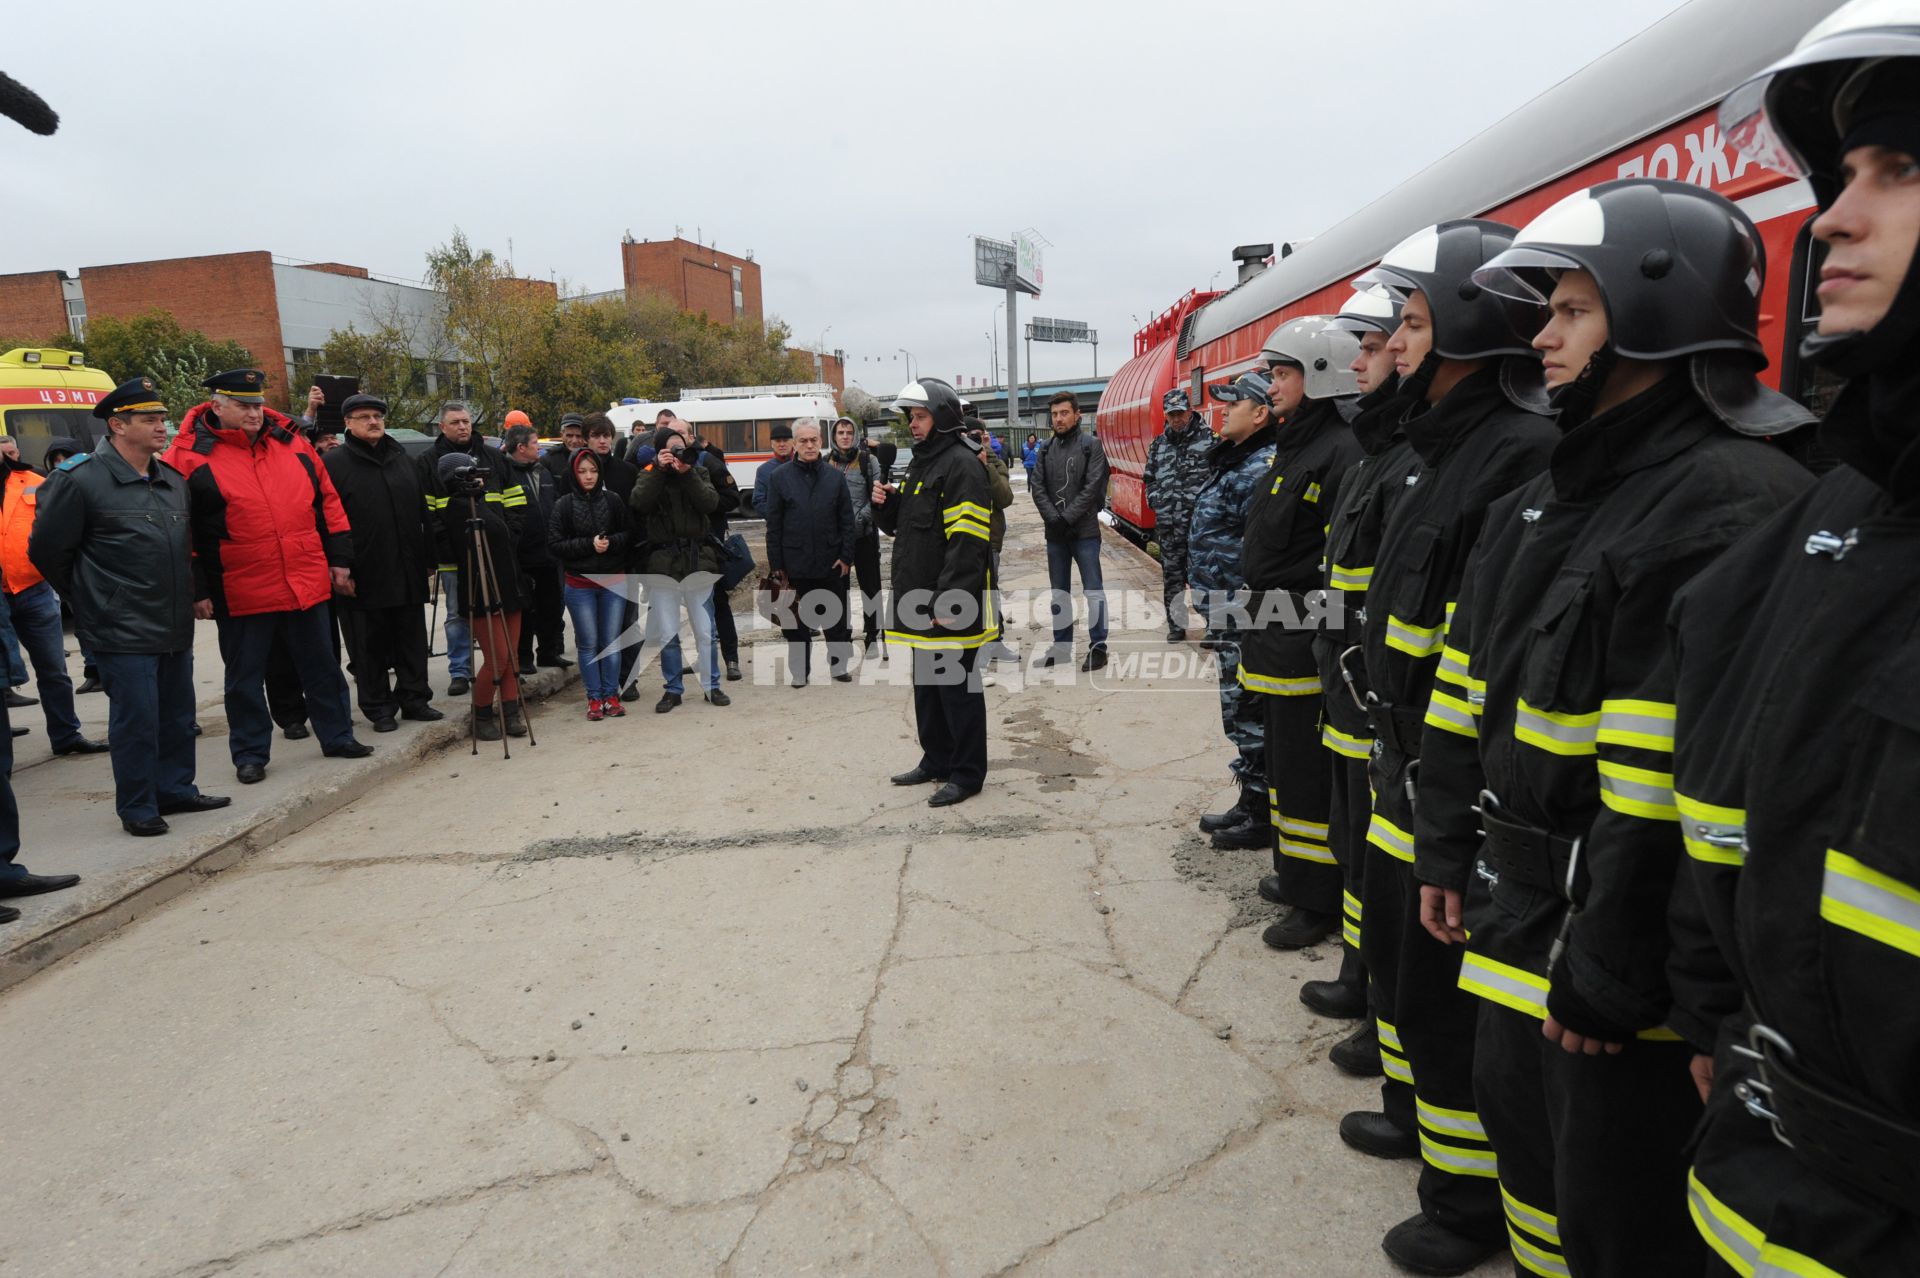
point(589, 535)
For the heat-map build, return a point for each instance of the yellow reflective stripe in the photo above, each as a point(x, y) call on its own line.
point(1350, 933)
point(1306, 829)
point(1637, 792)
point(1504, 984)
point(1301, 850)
point(1556, 731)
point(1273, 686)
point(906, 640)
point(1741, 1243)
point(1531, 1219)
point(1454, 1159)
point(1453, 666)
point(1452, 714)
point(1645, 725)
point(1389, 1034)
point(1449, 1122)
point(496, 497)
point(1416, 641)
point(1341, 577)
point(972, 528)
point(962, 509)
point(1862, 899)
point(1712, 833)
point(1351, 904)
point(436, 503)
point(1536, 1259)
point(1313, 493)
point(1342, 744)
point(1390, 838)
point(1396, 1067)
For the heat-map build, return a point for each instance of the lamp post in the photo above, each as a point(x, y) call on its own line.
point(993, 356)
point(909, 354)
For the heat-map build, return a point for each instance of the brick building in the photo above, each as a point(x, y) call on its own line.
point(699, 279)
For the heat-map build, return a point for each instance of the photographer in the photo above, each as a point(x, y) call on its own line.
point(486, 578)
point(674, 500)
point(810, 533)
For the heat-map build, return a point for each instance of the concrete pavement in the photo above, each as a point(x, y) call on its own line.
point(701, 993)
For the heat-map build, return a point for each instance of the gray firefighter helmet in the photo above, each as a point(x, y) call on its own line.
point(1321, 349)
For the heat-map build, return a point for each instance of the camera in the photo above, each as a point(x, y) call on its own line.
point(466, 480)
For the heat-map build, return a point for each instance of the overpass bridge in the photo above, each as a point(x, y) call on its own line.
point(1030, 401)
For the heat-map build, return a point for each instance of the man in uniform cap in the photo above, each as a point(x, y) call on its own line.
point(270, 548)
point(1176, 469)
point(112, 536)
point(781, 440)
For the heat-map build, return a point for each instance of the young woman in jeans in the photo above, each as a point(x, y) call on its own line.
point(589, 535)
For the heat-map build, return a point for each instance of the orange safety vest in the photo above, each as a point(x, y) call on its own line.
point(16, 525)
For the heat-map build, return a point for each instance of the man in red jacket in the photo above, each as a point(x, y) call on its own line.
point(270, 547)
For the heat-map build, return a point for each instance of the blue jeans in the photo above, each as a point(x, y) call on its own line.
point(459, 632)
point(665, 603)
point(36, 620)
point(597, 616)
point(1061, 557)
point(150, 726)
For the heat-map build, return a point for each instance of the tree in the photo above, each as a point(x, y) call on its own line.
point(495, 322)
point(387, 356)
point(589, 355)
point(692, 350)
point(157, 345)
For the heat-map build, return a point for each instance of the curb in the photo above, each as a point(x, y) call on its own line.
point(252, 833)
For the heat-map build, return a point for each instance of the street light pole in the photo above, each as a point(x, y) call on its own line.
point(909, 354)
point(993, 355)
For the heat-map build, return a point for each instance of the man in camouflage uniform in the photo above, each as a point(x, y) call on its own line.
point(1236, 466)
point(1176, 470)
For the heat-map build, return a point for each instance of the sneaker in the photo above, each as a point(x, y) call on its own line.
point(667, 701)
point(718, 698)
point(988, 681)
point(594, 713)
point(613, 709)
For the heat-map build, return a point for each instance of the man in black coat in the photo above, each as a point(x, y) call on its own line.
point(387, 507)
point(544, 625)
point(810, 542)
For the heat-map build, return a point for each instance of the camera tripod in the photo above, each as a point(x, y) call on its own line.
point(483, 587)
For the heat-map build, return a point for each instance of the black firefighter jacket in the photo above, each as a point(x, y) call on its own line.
point(391, 523)
point(118, 547)
point(1475, 446)
point(1368, 492)
point(492, 585)
point(1797, 779)
point(1285, 542)
point(940, 519)
point(1555, 696)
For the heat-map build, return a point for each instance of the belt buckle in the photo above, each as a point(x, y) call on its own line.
point(1756, 1093)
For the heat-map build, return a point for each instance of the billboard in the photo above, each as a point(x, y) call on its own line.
point(1028, 275)
point(1004, 264)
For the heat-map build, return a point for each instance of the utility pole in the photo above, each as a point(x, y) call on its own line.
point(1014, 416)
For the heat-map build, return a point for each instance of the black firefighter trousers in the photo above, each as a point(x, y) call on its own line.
point(1299, 795)
point(1426, 1021)
point(950, 711)
point(1350, 809)
point(1593, 1174)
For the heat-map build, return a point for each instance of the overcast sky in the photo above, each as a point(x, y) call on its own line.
point(853, 149)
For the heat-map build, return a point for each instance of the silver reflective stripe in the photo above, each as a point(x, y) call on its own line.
point(1561, 733)
point(1636, 797)
point(1451, 1158)
point(1446, 1122)
point(1862, 899)
point(1307, 851)
point(1441, 713)
point(1720, 1233)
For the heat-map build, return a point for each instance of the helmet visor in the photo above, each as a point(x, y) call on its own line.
point(1385, 281)
point(1524, 273)
point(1749, 128)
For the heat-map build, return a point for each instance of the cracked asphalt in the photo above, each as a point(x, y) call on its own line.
point(703, 994)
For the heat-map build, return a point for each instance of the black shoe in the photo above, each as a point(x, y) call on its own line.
point(1341, 1000)
point(296, 732)
point(557, 663)
point(527, 667)
point(459, 687)
point(21, 732)
point(1052, 657)
point(1096, 660)
point(1358, 1053)
point(1270, 890)
point(422, 713)
point(351, 750)
point(1424, 1247)
point(733, 672)
point(843, 678)
point(799, 683)
point(718, 698)
point(81, 745)
point(35, 884)
point(196, 729)
point(915, 775)
point(386, 723)
point(1176, 636)
point(144, 829)
point(250, 773)
point(667, 701)
point(198, 803)
point(15, 700)
point(1299, 929)
point(1374, 1134)
point(631, 692)
point(1248, 834)
point(486, 727)
point(89, 684)
point(1233, 816)
point(8, 914)
point(514, 718)
point(948, 795)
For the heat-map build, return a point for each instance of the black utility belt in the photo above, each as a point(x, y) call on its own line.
point(1836, 1135)
point(1528, 855)
point(1398, 727)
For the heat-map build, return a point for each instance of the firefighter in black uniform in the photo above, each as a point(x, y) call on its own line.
point(1346, 730)
point(942, 602)
point(1546, 796)
point(1797, 768)
point(1473, 399)
point(1286, 540)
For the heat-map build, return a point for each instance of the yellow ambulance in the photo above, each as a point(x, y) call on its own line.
point(48, 394)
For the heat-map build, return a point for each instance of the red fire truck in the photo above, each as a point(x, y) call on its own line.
point(1648, 108)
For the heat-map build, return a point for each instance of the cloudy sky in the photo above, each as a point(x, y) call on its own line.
point(852, 148)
